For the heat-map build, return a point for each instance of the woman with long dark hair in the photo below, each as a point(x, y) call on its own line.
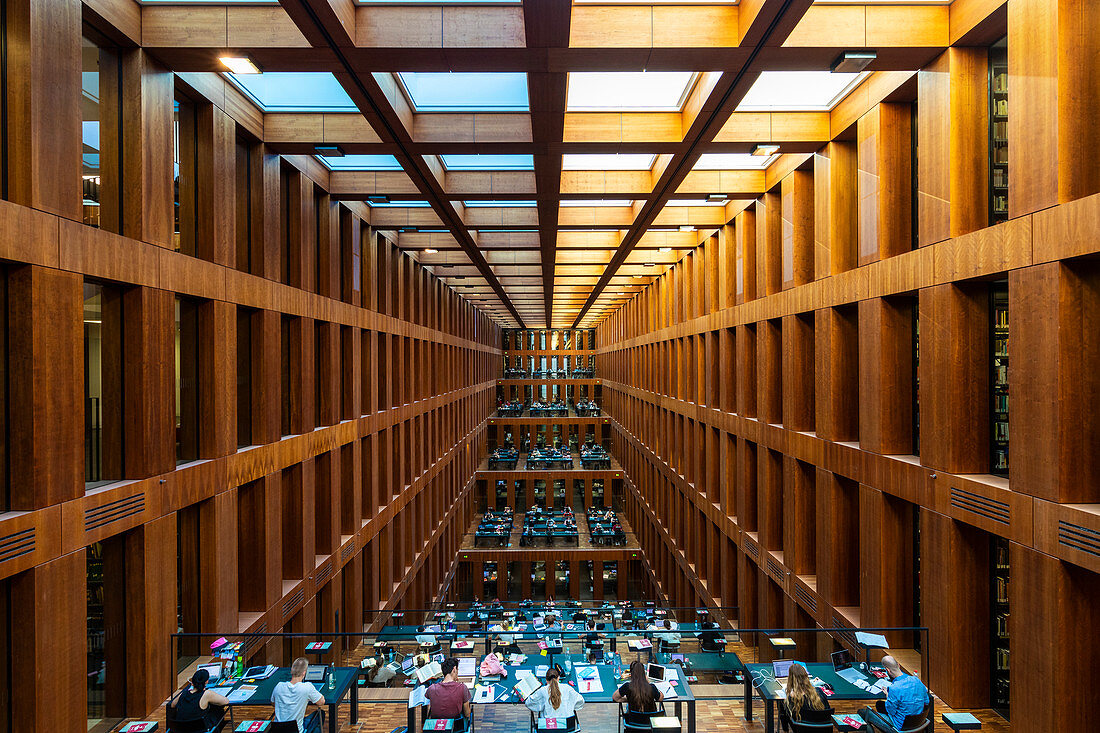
point(638, 693)
point(555, 700)
point(195, 702)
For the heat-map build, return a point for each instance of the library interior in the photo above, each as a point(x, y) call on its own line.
point(508, 365)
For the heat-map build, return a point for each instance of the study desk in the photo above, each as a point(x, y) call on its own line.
point(343, 683)
point(500, 539)
point(598, 462)
point(504, 694)
point(503, 463)
point(759, 677)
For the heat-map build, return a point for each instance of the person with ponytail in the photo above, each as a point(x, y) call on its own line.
point(804, 702)
point(555, 700)
point(640, 695)
point(194, 702)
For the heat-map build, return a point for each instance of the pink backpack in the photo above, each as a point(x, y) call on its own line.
point(491, 665)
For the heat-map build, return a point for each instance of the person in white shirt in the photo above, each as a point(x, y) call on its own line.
point(291, 698)
point(554, 700)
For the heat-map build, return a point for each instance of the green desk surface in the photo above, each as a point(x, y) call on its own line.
point(607, 679)
point(706, 661)
point(345, 677)
point(768, 688)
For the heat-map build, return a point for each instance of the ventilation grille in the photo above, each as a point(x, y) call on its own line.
point(975, 504)
point(323, 574)
point(776, 570)
point(752, 549)
point(293, 601)
point(1079, 538)
point(804, 597)
point(253, 643)
point(348, 549)
point(848, 637)
point(113, 511)
point(16, 544)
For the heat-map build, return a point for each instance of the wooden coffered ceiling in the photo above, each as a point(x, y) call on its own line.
point(562, 257)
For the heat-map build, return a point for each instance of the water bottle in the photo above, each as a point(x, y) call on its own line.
point(617, 666)
point(331, 678)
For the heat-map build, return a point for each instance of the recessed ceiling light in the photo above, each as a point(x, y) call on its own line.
point(687, 228)
point(378, 199)
point(647, 264)
point(239, 64)
point(430, 251)
point(329, 151)
point(853, 62)
point(765, 149)
point(716, 198)
point(665, 250)
point(635, 275)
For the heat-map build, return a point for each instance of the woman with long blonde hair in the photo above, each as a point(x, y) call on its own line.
point(805, 703)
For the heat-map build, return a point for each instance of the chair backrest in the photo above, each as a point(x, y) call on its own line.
point(916, 721)
point(639, 719)
point(798, 726)
point(188, 726)
point(288, 726)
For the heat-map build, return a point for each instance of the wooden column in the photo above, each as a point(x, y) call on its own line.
point(43, 155)
point(218, 577)
point(798, 372)
point(797, 223)
point(885, 376)
point(46, 351)
point(50, 692)
point(836, 232)
point(745, 246)
point(954, 566)
point(147, 175)
point(217, 378)
point(267, 376)
point(150, 612)
point(1053, 107)
point(216, 195)
point(954, 378)
point(1055, 430)
point(769, 243)
point(953, 140)
point(838, 524)
point(148, 379)
point(885, 182)
point(836, 389)
point(886, 562)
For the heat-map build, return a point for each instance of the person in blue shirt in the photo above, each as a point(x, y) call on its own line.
point(905, 696)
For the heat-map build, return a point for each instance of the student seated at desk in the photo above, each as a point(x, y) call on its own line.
point(450, 698)
point(667, 633)
point(906, 697)
point(711, 639)
point(554, 700)
point(804, 702)
point(195, 702)
point(379, 674)
point(638, 693)
point(290, 699)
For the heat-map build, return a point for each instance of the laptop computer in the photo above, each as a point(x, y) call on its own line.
point(842, 665)
point(782, 667)
point(655, 673)
point(214, 670)
point(316, 673)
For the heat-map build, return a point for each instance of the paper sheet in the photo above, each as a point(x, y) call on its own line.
point(242, 693)
point(588, 679)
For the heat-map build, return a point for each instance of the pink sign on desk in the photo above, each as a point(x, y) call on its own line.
point(253, 726)
point(550, 723)
point(139, 726)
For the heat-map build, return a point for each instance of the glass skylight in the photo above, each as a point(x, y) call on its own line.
point(399, 204)
point(362, 163)
point(596, 202)
point(465, 92)
point(488, 162)
point(510, 204)
point(294, 91)
point(732, 161)
point(607, 162)
point(694, 202)
point(638, 91)
point(798, 91)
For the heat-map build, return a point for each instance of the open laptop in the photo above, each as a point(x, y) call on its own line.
point(316, 673)
point(842, 665)
point(215, 670)
point(782, 667)
point(660, 678)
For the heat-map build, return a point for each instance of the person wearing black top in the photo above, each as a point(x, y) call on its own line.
point(639, 694)
point(803, 702)
point(195, 702)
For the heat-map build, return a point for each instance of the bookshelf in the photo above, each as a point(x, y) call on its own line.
point(998, 132)
point(999, 656)
point(999, 379)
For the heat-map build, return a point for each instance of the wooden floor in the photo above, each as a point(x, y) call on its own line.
point(718, 708)
point(584, 537)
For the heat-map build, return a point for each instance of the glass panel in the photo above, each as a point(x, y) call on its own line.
point(290, 91)
point(732, 161)
point(629, 90)
point(488, 162)
point(361, 163)
point(90, 130)
point(607, 161)
point(798, 90)
point(187, 380)
point(93, 384)
point(450, 92)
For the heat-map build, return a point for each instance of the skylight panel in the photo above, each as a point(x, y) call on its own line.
point(596, 202)
point(465, 92)
point(488, 162)
point(607, 162)
point(294, 91)
point(508, 204)
point(362, 163)
point(732, 161)
point(398, 204)
point(798, 91)
point(628, 91)
point(694, 202)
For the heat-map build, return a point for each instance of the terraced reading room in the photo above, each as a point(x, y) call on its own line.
point(499, 366)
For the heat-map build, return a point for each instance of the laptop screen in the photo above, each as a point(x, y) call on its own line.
point(655, 672)
point(842, 660)
point(782, 667)
point(215, 670)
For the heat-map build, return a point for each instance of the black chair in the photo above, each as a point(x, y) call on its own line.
point(635, 720)
point(798, 726)
point(917, 723)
